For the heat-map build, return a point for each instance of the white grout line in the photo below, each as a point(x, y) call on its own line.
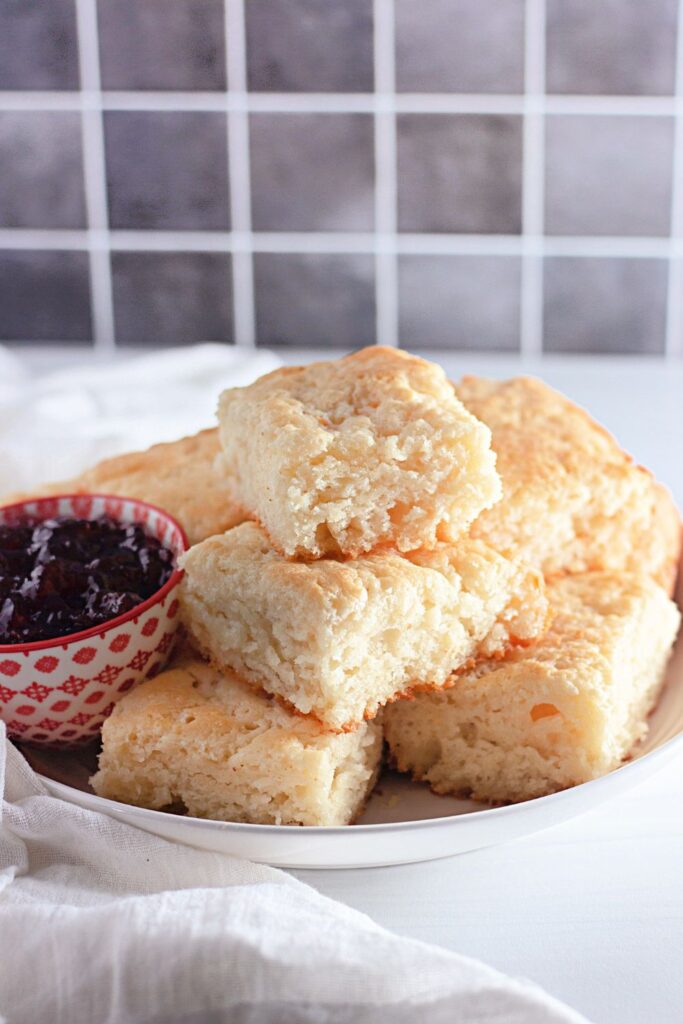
point(41, 101)
point(384, 242)
point(343, 103)
point(674, 305)
point(243, 302)
point(598, 106)
point(601, 247)
point(531, 300)
point(537, 102)
point(312, 102)
point(217, 101)
point(42, 238)
point(344, 242)
point(94, 172)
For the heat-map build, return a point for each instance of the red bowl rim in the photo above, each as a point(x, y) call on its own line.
point(134, 613)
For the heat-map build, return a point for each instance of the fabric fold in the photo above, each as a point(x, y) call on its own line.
point(101, 922)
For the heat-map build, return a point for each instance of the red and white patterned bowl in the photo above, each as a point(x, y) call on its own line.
point(58, 692)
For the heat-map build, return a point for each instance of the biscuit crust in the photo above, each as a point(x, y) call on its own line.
point(204, 739)
point(573, 501)
point(338, 639)
point(563, 712)
point(340, 457)
point(183, 477)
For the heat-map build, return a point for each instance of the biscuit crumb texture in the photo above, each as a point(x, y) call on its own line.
point(573, 501)
point(183, 477)
point(340, 457)
point(566, 711)
point(205, 740)
point(338, 639)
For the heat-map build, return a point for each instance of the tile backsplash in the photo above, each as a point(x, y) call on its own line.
point(444, 174)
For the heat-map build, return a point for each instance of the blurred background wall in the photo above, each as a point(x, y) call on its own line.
point(497, 175)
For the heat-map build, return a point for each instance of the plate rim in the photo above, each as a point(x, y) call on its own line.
point(661, 753)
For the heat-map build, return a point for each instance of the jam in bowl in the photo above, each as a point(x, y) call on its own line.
point(88, 609)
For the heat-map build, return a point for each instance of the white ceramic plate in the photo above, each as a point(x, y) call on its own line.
point(404, 822)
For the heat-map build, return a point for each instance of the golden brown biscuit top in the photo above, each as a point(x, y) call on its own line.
point(592, 614)
point(206, 701)
point(386, 385)
point(573, 501)
point(183, 477)
point(538, 434)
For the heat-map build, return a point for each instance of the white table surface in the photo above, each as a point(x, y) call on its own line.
point(591, 910)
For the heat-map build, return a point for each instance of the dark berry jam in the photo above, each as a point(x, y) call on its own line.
point(61, 576)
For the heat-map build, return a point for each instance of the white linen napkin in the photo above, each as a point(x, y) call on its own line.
point(56, 425)
point(101, 923)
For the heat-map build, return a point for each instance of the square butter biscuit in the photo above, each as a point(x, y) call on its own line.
point(338, 639)
point(573, 501)
point(340, 457)
point(183, 477)
point(204, 739)
point(563, 712)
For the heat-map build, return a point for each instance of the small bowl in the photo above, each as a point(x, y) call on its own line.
point(58, 692)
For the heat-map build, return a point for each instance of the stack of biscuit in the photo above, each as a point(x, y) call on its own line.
point(476, 575)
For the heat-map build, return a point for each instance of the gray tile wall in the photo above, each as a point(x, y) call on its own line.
point(442, 174)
